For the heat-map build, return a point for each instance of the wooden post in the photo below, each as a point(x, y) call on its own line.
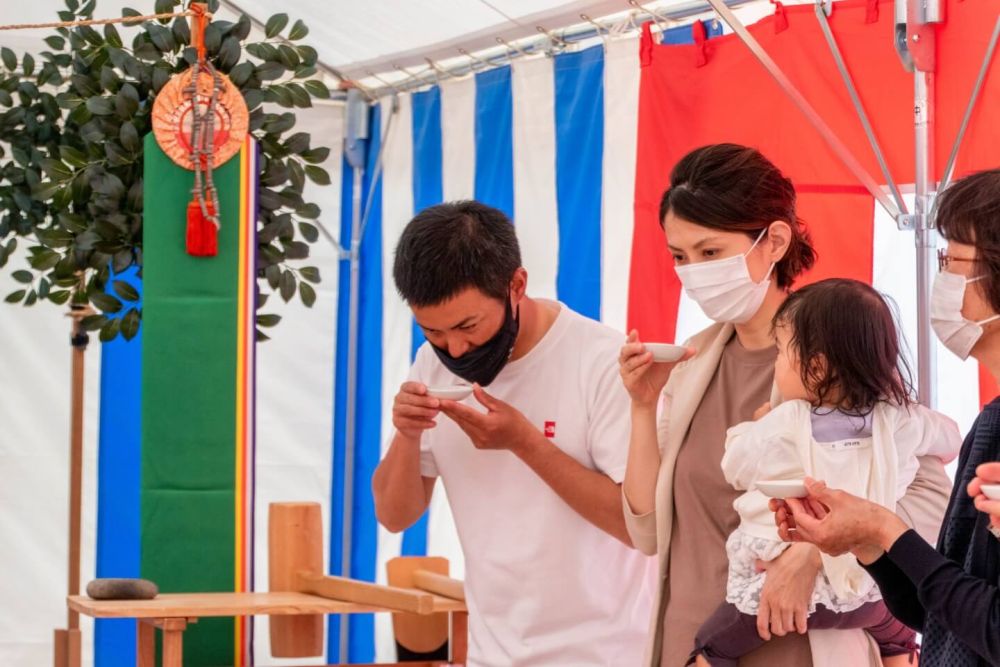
point(145, 654)
point(67, 647)
point(459, 637)
point(67, 642)
point(79, 342)
point(295, 545)
point(173, 640)
point(417, 633)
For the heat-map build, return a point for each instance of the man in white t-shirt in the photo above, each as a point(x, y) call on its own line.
point(533, 467)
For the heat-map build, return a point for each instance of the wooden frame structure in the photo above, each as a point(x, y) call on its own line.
point(428, 606)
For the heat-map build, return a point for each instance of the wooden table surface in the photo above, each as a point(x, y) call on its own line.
point(202, 605)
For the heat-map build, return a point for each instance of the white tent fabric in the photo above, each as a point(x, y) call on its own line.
point(34, 478)
point(373, 36)
point(357, 37)
point(295, 375)
point(384, 37)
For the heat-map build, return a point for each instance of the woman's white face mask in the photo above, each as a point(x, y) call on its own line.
point(956, 333)
point(723, 288)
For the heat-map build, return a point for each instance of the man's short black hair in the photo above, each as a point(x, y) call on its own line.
point(453, 246)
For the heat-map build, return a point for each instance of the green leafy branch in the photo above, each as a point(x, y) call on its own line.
point(71, 179)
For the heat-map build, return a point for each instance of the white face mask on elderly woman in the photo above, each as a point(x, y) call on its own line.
point(956, 333)
point(723, 287)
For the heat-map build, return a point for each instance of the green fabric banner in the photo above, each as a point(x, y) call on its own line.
point(189, 398)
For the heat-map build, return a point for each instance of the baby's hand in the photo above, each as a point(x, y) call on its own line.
point(761, 411)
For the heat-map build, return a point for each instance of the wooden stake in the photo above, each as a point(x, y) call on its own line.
point(67, 647)
point(459, 637)
point(145, 644)
point(79, 343)
point(67, 642)
point(420, 634)
point(294, 544)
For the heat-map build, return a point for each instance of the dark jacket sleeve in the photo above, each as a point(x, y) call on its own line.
point(967, 606)
point(898, 592)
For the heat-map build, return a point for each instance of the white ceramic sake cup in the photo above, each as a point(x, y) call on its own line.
point(787, 488)
point(455, 392)
point(666, 352)
point(991, 491)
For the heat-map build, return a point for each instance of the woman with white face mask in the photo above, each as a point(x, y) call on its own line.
point(730, 223)
point(951, 594)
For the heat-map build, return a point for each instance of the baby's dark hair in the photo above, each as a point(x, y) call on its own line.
point(844, 335)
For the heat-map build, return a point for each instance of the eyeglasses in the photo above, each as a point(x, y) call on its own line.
point(945, 259)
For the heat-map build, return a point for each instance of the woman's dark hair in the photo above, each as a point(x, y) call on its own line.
point(844, 335)
point(449, 247)
point(969, 212)
point(735, 188)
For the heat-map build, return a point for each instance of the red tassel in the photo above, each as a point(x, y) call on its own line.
point(871, 12)
point(699, 36)
point(780, 19)
point(646, 45)
point(202, 235)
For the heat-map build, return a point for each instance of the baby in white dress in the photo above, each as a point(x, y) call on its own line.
point(847, 418)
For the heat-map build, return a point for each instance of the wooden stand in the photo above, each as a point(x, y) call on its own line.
point(303, 595)
point(416, 586)
point(173, 612)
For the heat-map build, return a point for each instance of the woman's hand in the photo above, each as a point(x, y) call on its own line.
point(838, 522)
point(644, 379)
point(787, 592)
point(987, 473)
point(783, 518)
point(785, 521)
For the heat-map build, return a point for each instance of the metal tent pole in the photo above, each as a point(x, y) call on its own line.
point(821, 15)
point(347, 529)
point(915, 43)
point(924, 235)
point(355, 150)
point(355, 143)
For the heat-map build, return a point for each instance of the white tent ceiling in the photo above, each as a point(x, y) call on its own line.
point(376, 34)
point(380, 36)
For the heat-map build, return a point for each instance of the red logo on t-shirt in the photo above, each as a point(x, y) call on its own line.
point(550, 429)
